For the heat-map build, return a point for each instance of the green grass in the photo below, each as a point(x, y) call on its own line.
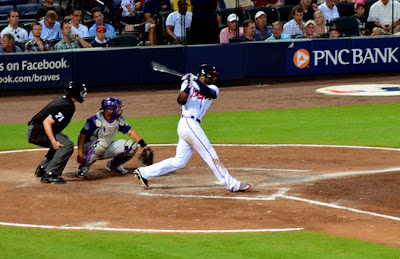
point(34, 243)
point(369, 125)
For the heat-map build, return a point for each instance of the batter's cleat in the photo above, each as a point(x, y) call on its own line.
point(49, 177)
point(245, 187)
point(83, 171)
point(117, 169)
point(40, 171)
point(142, 180)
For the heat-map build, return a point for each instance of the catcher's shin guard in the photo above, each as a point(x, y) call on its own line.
point(96, 152)
point(130, 149)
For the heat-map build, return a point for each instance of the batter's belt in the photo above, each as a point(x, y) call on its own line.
point(191, 117)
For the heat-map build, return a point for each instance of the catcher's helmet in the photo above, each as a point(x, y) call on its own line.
point(76, 90)
point(207, 70)
point(114, 104)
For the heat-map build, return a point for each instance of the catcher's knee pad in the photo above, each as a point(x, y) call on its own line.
point(96, 152)
point(130, 148)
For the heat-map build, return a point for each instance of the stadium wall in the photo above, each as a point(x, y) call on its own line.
point(104, 67)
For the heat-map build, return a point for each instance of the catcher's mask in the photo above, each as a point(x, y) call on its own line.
point(76, 90)
point(114, 104)
point(207, 70)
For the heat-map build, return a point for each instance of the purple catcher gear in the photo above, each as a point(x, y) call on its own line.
point(114, 104)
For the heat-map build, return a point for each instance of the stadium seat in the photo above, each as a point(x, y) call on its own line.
point(224, 13)
point(124, 41)
point(284, 13)
point(54, 41)
point(348, 26)
point(367, 5)
point(27, 11)
point(89, 39)
point(4, 11)
point(11, 2)
point(161, 27)
point(272, 13)
point(345, 9)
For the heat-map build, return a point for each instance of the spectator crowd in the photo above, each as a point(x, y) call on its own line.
point(194, 22)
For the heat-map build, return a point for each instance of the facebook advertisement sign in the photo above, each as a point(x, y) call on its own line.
point(344, 56)
point(36, 70)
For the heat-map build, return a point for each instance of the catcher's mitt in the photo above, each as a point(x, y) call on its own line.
point(146, 157)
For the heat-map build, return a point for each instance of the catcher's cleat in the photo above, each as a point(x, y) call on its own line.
point(40, 171)
point(117, 169)
point(83, 171)
point(245, 187)
point(141, 179)
point(52, 178)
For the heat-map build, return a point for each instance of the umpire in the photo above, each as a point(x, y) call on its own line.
point(45, 130)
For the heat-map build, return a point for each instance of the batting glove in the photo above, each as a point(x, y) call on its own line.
point(190, 77)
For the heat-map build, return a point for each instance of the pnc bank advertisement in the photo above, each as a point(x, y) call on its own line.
point(345, 56)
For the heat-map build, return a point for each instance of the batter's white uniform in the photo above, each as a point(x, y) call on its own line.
point(192, 137)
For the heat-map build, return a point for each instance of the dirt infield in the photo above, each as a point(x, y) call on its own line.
point(344, 191)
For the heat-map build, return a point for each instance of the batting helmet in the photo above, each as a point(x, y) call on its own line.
point(114, 104)
point(207, 70)
point(76, 90)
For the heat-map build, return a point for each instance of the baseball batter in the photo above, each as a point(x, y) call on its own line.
point(96, 142)
point(196, 95)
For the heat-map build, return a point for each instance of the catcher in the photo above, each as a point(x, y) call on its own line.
point(96, 142)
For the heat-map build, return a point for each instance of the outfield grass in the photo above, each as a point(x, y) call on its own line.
point(369, 125)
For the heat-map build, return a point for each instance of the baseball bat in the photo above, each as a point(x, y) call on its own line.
point(163, 69)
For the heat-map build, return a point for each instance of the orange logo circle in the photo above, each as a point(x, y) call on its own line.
point(301, 58)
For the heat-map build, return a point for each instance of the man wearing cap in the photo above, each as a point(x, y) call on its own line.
point(359, 10)
point(70, 40)
point(100, 40)
point(385, 15)
point(296, 25)
point(232, 31)
point(329, 9)
point(334, 32)
point(262, 30)
point(309, 31)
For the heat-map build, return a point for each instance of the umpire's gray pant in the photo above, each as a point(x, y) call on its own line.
point(56, 159)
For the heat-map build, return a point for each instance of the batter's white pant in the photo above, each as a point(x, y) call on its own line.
point(192, 137)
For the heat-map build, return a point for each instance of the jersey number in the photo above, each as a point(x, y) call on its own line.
point(60, 117)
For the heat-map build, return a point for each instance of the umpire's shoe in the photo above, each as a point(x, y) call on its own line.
point(49, 177)
point(40, 171)
point(142, 180)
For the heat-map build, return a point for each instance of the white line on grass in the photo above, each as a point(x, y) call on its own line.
point(148, 230)
point(237, 145)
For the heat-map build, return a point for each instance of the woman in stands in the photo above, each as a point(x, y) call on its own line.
point(320, 21)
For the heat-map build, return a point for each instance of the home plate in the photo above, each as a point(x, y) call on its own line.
point(361, 90)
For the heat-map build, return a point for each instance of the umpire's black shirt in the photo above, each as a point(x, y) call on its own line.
point(61, 109)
